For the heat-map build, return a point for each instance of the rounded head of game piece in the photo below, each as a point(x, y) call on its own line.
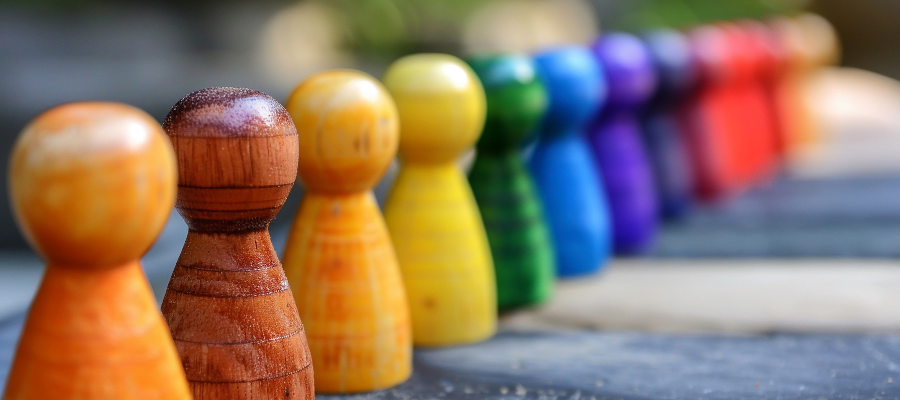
point(92, 184)
point(516, 99)
point(441, 105)
point(712, 51)
point(742, 56)
point(237, 158)
point(348, 130)
point(820, 39)
point(767, 53)
point(809, 41)
point(628, 68)
point(676, 68)
point(575, 87)
point(790, 38)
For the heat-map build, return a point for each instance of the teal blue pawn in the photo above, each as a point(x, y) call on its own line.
point(503, 188)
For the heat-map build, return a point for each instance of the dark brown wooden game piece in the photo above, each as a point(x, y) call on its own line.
point(228, 305)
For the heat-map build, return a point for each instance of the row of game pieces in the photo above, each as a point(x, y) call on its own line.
point(636, 130)
point(92, 185)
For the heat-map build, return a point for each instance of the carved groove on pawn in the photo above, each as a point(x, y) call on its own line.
point(228, 304)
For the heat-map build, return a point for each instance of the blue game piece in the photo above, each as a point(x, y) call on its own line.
point(562, 165)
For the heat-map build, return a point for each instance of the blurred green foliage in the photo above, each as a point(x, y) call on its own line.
point(392, 27)
point(388, 28)
point(644, 14)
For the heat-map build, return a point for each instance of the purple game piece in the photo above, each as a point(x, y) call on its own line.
point(615, 137)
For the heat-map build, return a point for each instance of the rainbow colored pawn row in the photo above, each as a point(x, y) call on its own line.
point(626, 132)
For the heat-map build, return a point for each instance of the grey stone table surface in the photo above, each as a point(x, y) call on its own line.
point(850, 218)
point(598, 366)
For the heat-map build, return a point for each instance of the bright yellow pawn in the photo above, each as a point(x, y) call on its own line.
point(430, 211)
point(339, 259)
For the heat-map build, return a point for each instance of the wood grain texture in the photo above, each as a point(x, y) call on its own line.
point(339, 258)
point(91, 186)
point(228, 304)
point(507, 198)
point(348, 288)
point(430, 212)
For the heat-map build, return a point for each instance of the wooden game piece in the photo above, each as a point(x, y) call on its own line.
point(770, 67)
point(562, 165)
point(503, 187)
point(810, 43)
point(339, 258)
point(712, 138)
point(228, 304)
point(91, 186)
point(430, 211)
point(615, 137)
point(823, 46)
point(753, 117)
point(762, 59)
point(662, 134)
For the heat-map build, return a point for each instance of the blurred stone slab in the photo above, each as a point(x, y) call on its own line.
point(19, 278)
point(613, 366)
point(747, 296)
point(860, 128)
point(670, 295)
point(839, 217)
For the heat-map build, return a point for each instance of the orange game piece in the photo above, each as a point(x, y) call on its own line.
point(339, 258)
point(810, 43)
point(91, 185)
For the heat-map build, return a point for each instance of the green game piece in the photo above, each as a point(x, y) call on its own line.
point(503, 188)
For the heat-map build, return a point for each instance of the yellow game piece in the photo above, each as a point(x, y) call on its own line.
point(431, 212)
point(339, 258)
point(91, 186)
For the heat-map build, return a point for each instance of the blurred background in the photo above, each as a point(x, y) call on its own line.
point(815, 249)
point(845, 201)
point(840, 201)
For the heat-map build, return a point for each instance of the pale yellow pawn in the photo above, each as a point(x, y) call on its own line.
point(339, 259)
point(431, 213)
point(91, 186)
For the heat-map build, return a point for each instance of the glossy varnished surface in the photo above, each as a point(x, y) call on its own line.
point(228, 304)
point(339, 258)
point(88, 180)
point(237, 157)
point(430, 211)
point(92, 185)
